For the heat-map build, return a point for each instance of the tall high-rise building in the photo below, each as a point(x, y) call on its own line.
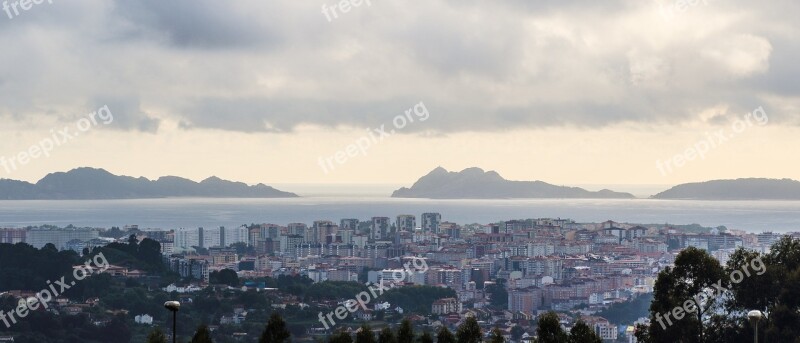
point(406, 222)
point(380, 228)
point(202, 239)
point(254, 236)
point(431, 221)
point(349, 224)
point(525, 300)
point(196, 237)
point(271, 231)
point(13, 236)
point(297, 229)
point(288, 244)
point(216, 237)
point(320, 229)
point(347, 236)
point(38, 238)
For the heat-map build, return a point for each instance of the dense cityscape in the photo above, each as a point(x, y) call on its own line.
point(436, 273)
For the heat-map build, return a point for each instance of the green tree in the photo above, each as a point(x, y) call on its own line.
point(689, 285)
point(157, 336)
point(628, 311)
point(445, 336)
point(582, 333)
point(365, 335)
point(417, 299)
point(426, 337)
point(386, 336)
point(203, 335)
point(225, 277)
point(405, 334)
point(275, 331)
point(469, 331)
point(549, 329)
point(774, 289)
point(149, 251)
point(497, 336)
point(133, 242)
point(340, 336)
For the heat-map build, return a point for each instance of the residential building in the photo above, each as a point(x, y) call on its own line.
point(430, 222)
point(406, 222)
point(446, 306)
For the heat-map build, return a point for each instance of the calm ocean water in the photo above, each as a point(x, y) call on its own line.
point(754, 216)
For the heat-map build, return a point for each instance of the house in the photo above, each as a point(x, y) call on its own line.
point(364, 315)
point(234, 319)
point(145, 319)
point(445, 306)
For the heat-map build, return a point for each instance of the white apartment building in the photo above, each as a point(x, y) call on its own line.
point(38, 238)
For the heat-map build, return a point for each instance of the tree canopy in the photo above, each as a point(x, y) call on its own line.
point(469, 331)
point(701, 301)
point(445, 336)
point(275, 331)
point(582, 333)
point(549, 329)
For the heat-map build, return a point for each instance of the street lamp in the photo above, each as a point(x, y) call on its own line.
point(173, 306)
point(755, 316)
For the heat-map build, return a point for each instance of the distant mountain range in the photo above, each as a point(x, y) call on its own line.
point(739, 189)
point(91, 183)
point(474, 183)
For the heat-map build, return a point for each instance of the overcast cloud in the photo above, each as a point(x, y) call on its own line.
point(268, 66)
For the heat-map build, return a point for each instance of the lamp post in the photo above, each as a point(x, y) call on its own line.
point(755, 316)
point(174, 307)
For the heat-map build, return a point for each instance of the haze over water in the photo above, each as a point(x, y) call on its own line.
point(752, 216)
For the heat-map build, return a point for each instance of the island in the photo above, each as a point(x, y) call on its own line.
point(738, 189)
point(475, 183)
point(91, 183)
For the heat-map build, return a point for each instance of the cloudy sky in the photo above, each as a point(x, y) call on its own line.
point(569, 92)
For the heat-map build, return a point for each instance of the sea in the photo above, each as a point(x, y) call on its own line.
point(363, 202)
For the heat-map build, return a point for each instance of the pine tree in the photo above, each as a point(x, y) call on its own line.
point(365, 335)
point(469, 331)
point(157, 336)
point(405, 334)
point(582, 333)
point(340, 336)
point(387, 336)
point(275, 331)
point(203, 335)
point(445, 336)
point(549, 329)
point(426, 337)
